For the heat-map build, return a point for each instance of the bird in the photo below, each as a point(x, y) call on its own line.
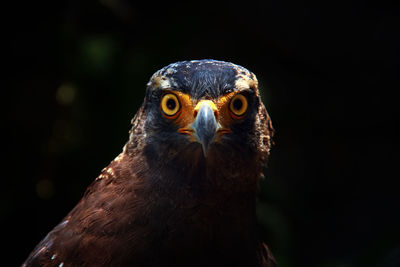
point(183, 190)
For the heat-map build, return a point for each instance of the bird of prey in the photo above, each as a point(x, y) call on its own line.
point(183, 190)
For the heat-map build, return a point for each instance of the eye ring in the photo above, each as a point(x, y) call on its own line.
point(238, 106)
point(170, 105)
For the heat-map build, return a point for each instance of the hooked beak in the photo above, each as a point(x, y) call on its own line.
point(205, 128)
point(205, 125)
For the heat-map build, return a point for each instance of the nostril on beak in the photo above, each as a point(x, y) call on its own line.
point(216, 114)
point(210, 104)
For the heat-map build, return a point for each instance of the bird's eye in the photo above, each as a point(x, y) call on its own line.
point(170, 105)
point(238, 105)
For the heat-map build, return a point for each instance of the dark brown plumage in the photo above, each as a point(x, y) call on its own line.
point(183, 190)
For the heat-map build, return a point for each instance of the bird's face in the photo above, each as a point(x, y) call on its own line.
point(202, 110)
point(205, 121)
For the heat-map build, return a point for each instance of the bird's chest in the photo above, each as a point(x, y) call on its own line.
point(201, 231)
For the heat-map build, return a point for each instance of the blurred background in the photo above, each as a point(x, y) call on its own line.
point(75, 75)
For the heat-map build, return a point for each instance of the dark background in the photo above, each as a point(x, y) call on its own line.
point(75, 75)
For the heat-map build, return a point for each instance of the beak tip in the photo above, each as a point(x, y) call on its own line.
point(205, 150)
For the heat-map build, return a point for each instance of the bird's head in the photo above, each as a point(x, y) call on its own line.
point(205, 111)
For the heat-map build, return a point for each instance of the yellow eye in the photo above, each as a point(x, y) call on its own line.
point(238, 105)
point(170, 105)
